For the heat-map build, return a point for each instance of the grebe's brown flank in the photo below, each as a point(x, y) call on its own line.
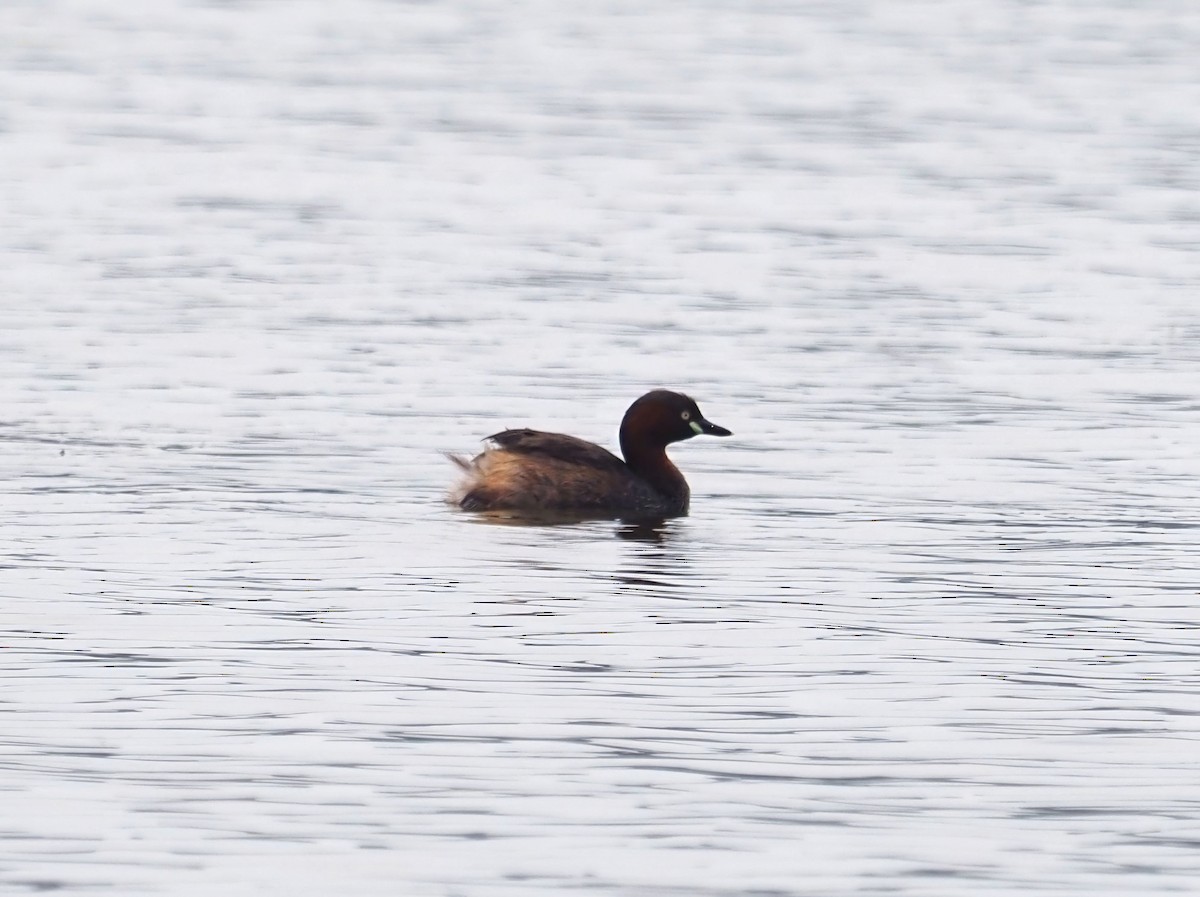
point(532, 471)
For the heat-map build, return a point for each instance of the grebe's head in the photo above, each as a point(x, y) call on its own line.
point(661, 417)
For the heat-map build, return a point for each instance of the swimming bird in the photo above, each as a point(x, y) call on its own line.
point(532, 471)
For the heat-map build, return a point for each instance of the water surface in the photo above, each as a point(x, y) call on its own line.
point(930, 627)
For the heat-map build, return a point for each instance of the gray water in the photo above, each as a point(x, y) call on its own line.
point(930, 628)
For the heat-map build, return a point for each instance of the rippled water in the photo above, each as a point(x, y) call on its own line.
point(931, 626)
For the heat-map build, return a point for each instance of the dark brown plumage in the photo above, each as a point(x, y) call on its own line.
point(532, 471)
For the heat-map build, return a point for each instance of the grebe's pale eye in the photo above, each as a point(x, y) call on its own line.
point(686, 415)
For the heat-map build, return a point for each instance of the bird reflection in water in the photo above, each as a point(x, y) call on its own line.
point(654, 561)
point(655, 529)
point(657, 565)
point(636, 529)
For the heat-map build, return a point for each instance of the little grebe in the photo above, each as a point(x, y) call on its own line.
point(531, 471)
